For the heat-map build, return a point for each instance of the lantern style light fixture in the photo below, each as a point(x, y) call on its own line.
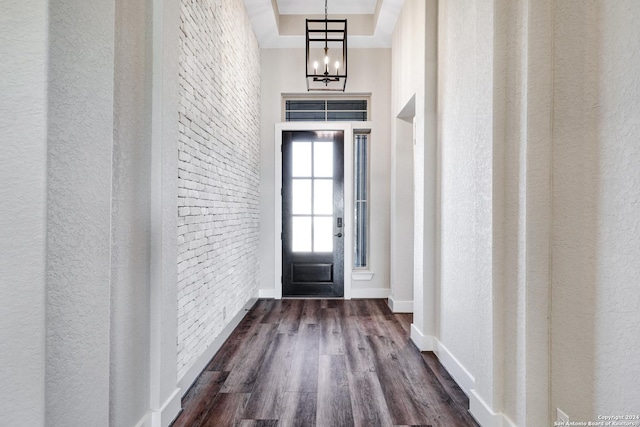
point(326, 53)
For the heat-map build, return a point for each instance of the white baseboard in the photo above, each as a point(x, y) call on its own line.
point(267, 293)
point(422, 341)
point(192, 374)
point(169, 410)
point(374, 293)
point(506, 422)
point(145, 421)
point(400, 306)
point(460, 374)
point(479, 409)
point(484, 415)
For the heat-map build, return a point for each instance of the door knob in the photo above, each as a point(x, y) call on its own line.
point(338, 235)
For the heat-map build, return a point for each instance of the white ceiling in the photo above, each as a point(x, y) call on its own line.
point(307, 7)
point(268, 20)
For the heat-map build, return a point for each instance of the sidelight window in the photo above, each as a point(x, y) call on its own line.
point(361, 195)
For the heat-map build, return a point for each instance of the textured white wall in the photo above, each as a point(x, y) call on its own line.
point(130, 220)
point(79, 189)
point(522, 207)
point(561, 184)
point(408, 89)
point(81, 94)
point(369, 72)
point(218, 176)
point(165, 393)
point(408, 46)
point(401, 251)
point(538, 125)
point(596, 223)
point(466, 113)
point(23, 167)
point(512, 294)
point(495, 133)
point(85, 183)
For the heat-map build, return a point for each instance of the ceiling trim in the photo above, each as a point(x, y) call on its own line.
point(305, 7)
point(275, 31)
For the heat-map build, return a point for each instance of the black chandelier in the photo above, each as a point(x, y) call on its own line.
point(326, 53)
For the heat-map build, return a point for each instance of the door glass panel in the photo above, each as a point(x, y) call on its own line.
point(301, 196)
point(323, 159)
point(323, 234)
point(301, 159)
point(323, 196)
point(301, 233)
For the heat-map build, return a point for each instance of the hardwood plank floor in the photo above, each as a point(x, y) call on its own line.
point(330, 363)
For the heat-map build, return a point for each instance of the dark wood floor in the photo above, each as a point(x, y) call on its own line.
point(323, 363)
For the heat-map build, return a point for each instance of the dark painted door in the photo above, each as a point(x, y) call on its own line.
point(312, 213)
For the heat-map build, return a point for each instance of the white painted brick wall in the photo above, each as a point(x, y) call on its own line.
point(218, 176)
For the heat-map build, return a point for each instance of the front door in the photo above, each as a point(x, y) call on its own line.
point(312, 213)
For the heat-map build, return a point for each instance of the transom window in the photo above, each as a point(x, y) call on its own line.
point(326, 110)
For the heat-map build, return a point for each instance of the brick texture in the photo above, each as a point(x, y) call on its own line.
point(218, 181)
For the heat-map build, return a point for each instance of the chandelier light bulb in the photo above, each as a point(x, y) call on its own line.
point(337, 66)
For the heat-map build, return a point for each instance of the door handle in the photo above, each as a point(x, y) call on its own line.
point(338, 235)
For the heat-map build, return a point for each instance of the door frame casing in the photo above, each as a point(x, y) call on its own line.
point(347, 128)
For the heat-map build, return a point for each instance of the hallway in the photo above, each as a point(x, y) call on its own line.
point(325, 363)
point(141, 213)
